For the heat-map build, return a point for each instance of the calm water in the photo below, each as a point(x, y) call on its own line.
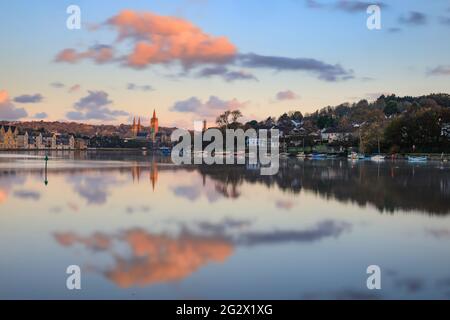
point(141, 228)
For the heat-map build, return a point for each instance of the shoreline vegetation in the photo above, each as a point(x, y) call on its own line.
point(390, 125)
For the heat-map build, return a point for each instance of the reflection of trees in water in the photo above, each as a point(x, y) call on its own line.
point(228, 185)
point(389, 186)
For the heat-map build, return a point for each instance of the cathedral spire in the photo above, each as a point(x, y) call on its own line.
point(133, 128)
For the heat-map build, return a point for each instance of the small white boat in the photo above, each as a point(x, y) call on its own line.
point(417, 159)
point(356, 156)
point(301, 155)
point(378, 158)
point(317, 156)
point(284, 155)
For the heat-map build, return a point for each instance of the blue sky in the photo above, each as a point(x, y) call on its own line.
point(379, 61)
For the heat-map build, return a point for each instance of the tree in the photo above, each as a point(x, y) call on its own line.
point(222, 120)
point(391, 108)
point(235, 115)
point(228, 117)
point(295, 115)
point(372, 137)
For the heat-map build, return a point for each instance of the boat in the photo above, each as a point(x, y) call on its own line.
point(356, 156)
point(166, 151)
point(417, 159)
point(378, 158)
point(301, 155)
point(332, 156)
point(284, 155)
point(317, 156)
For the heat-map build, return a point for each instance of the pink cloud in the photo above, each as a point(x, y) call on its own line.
point(74, 88)
point(286, 95)
point(8, 110)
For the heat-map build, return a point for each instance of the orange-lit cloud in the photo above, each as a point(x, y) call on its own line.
point(98, 241)
point(157, 40)
point(154, 258)
point(3, 196)
point(4, 97)
point(162, 39)
point(99, 54)
point(8, 110)
point(163, 259)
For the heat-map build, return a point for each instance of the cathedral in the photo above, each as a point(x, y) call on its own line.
point(138, 132)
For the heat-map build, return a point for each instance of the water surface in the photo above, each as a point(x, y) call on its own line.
point(142, 228)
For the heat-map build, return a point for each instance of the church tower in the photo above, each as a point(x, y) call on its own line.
point(154, 128)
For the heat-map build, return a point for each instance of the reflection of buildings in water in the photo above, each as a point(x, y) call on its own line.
point(154, 258)
point(136, 173)
point(153, 173)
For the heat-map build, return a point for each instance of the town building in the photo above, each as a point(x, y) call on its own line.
point(138, 132)
point(11, 138)
point(331, 135)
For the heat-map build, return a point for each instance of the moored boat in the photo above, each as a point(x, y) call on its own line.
point(356, 156)
point(317, 156)
point(378, 158)
point(417, 159)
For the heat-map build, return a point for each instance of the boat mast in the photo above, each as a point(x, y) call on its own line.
point(379, 151)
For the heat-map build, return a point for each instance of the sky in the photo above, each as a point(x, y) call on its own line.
point(193, 59)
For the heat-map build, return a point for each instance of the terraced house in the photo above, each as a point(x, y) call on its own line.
point(11, 138)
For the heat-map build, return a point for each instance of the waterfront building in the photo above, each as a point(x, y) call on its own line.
point(8, 135)
point(13, 139)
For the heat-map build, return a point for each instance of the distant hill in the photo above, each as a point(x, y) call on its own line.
point(75, 128)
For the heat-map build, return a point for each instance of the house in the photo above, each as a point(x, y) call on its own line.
point(11, 138)
point(80, 144)
point(331, 135)
point(22, 141)
point(8, 136)
point(445, 130)
point(262, 143)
